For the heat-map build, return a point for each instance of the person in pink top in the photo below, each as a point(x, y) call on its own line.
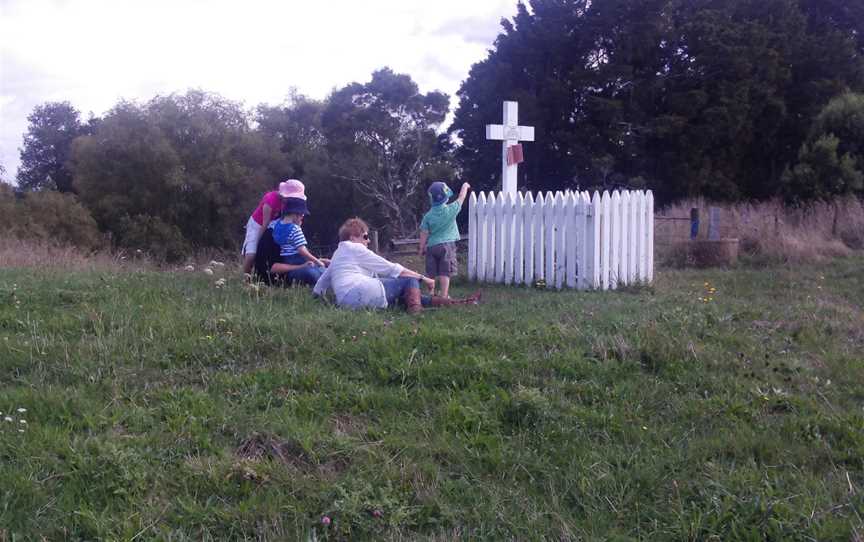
point(269, 209)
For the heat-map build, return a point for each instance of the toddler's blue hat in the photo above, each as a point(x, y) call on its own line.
point(294, 205)
point(439, 192)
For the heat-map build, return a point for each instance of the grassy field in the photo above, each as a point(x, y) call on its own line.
point(712, 405)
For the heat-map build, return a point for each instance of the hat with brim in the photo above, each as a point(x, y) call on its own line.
point(294, 206)
point(439, 192)
point(292, 188)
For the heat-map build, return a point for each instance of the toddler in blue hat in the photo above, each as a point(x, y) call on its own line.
point(439, 233)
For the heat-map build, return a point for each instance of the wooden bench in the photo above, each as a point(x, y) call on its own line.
point(410, 246)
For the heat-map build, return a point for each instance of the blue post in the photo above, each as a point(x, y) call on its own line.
point(694, 223)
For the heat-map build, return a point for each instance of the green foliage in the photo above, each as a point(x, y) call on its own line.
point(695, 98)
point(821, 173)
point(47, 146)
point(187, 169)
point(831, 161)
point(382, 141)
point(295, 138)
point(48, 216)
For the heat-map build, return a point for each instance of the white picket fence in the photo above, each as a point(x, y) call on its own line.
point(568, 239)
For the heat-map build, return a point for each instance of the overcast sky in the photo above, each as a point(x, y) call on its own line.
point(92, 53)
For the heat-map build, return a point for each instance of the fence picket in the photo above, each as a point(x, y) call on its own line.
point(582, 240)
point(649, 236)
point(560, 241)
point(539, 211)
point(518, 251)
point(528, 239)
point(498, 211)
point(604, 240)
point(472, 237)
point(633, 237)
point(507, 233)
point(640, 235)
point(572, 227)
point(623, 265)
point(614, 238)
point(491, 232)
point(549, 227)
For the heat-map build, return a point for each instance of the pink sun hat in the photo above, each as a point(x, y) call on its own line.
point(292, 188)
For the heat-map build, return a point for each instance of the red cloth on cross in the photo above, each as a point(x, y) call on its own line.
point(514, 154)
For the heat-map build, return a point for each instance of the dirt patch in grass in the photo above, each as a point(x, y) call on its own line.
point(352, 426)
point(265, 446)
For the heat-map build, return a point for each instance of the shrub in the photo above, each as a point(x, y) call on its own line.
point(49, 216)
point(163, 241)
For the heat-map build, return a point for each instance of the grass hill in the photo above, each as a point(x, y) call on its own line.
point(156, 405)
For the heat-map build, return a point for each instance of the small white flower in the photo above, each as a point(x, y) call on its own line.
point(23, 422)
point(208, 271)
point(20, 430)
point(22, 410)
point(189, 268)
point(8, 418)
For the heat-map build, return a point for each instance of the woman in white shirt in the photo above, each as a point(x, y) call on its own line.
point(362, 279)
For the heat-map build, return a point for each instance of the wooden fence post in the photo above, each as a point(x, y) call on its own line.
point(713, 223)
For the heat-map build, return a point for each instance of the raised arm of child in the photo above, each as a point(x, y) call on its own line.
point(463, 193)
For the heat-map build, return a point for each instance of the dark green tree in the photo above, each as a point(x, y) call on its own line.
point(47, 145)
point(831, 161)
point(295, 137)
point(382, 142)
point(696, 97)
point(180, 172)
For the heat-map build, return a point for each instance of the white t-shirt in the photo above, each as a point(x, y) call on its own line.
point(351, 274)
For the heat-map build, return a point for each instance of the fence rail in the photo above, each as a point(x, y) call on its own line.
point(571, 239)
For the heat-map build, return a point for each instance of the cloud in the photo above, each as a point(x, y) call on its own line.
point(476, 30)
point(94, 53)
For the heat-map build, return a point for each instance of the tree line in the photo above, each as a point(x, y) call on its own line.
point(727, 99)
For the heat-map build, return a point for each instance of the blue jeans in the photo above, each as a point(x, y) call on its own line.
point(394, 288)
point(305, 275)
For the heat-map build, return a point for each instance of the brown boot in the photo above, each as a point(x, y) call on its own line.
point(411, 297)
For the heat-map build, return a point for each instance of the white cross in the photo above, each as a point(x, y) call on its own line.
point(510, 133)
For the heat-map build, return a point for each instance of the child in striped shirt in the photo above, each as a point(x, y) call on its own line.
point(296, 263)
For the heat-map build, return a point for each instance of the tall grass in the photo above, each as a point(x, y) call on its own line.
point(774, 232)
point(29, 253)
point(40, 254)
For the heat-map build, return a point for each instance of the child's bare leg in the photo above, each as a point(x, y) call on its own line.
point(248, 262)
point(443, 282)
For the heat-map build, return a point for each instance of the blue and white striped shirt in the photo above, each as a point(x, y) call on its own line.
point(288, 236)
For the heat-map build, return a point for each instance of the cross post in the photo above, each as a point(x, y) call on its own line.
point(509, 133)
